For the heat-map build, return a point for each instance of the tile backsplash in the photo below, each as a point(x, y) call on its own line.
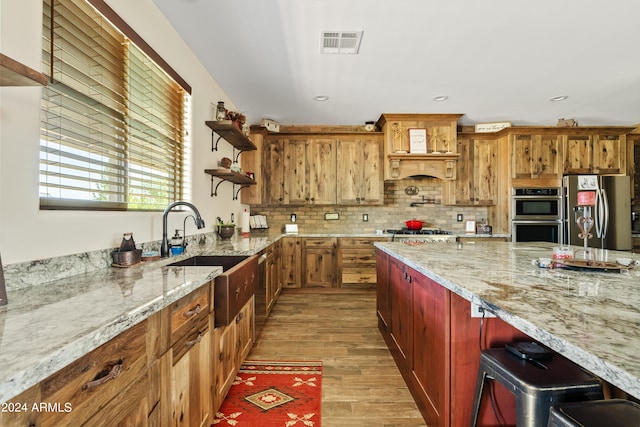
point(396, 210)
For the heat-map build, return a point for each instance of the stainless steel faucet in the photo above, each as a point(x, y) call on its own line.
point(164, 247)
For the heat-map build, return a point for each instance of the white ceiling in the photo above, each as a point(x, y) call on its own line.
point(496, 60)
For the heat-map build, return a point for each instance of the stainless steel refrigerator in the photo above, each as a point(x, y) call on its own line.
point(611, 214)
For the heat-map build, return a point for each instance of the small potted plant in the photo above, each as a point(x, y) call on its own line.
point(226, 230)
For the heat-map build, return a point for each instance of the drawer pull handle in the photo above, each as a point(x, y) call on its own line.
point(104, 376)
point(240, 317)
point(191, 313)
point(194, 342)
point(237, 292)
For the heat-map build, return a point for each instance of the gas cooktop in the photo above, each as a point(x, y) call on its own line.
point(427, 231)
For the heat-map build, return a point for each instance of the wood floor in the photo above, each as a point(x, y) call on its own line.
point(361, 385)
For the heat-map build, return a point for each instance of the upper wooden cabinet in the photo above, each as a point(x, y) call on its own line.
point(598, 152)
point(359, 172)
point(310, 171)
point(320, 168)
point(536, 156)
point(476, 172)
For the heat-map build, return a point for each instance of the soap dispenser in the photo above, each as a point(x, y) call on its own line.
point(176, 244)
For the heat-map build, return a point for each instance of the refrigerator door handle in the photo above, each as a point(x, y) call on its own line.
point(601, 214)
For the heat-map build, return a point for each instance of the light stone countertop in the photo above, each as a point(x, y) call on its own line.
point(592, 318)
point(49, 325)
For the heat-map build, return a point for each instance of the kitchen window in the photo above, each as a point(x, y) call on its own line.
point(114, 114)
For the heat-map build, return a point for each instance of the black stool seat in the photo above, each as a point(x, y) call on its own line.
point(599, 413)
point(536, 385)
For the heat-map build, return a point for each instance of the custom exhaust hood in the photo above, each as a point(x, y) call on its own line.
point(420, 145)
point(442, 166)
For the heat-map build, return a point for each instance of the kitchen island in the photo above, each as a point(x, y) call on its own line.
point(592, 318)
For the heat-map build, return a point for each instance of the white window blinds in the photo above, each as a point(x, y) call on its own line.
point(113, 121)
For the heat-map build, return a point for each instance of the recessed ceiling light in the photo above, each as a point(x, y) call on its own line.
point(320, 97)
point(558, 98)
point(440, 98)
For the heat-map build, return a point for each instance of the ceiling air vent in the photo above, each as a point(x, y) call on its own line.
point(346, 42)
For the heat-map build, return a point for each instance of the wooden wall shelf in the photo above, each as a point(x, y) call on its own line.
point(239, 180)
point(13, 73)
point(230, 132)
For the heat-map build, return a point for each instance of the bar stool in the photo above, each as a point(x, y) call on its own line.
point(536, 385)
point(599, 413)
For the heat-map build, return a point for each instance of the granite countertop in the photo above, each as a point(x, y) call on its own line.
point(47, 326)
point(592, 318)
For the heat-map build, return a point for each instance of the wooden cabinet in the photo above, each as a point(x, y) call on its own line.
point(273, 274)
point(430, 343)
point(360, 171)
point(292, 262)
point(435, 343)
point(310, 171)
point(400, 313)
point(273, 172)
point(319, 263)
point(191, 363)
point(476, 172)
point(93, 386)
point(231, 345)
point(536, 156)
point(356, 262)
point(251, 161)
point(596, 153)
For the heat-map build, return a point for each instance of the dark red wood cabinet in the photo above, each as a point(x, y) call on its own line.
point(436, 344)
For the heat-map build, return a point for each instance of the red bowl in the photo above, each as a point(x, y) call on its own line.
point(414, 224)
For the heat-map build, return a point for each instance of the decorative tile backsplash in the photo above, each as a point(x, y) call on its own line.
point(396, 210)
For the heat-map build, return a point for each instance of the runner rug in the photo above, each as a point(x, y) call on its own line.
point(273, 394)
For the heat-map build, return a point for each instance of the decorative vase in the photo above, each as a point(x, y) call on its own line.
point(226, 231)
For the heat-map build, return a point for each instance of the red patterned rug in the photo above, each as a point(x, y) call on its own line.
point(273, 394)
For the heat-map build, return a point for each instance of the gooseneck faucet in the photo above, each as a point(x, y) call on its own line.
point(164, 247)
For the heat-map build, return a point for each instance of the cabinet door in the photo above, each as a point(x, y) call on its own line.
point(476, 173)
point(349, 170)
point(225, 356)
point(431, 345)
point(359, 171)
point(578, 154)
point(295, 172)
point(536, 156)
point(251, 161)
point(610, 154)
point(400, 298)
point(191, 379)
point(291, 262)
point(319, 263)
point(321, 175)
point(272, 177)
point(245, 332)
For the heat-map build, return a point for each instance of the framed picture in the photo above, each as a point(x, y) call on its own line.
point(418, 141)
point(470, 227)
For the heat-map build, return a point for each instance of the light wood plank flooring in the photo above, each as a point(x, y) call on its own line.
point(361, 385)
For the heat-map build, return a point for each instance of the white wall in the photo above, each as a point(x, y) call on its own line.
point(27, 233)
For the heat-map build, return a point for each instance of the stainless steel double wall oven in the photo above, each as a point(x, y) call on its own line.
point(536, 215)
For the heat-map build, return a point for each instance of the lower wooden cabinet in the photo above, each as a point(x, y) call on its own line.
point(292, 262)
point(357, 262)
point(273, 274)
point(436, 343)
point(231, 347)
point(319, 262)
